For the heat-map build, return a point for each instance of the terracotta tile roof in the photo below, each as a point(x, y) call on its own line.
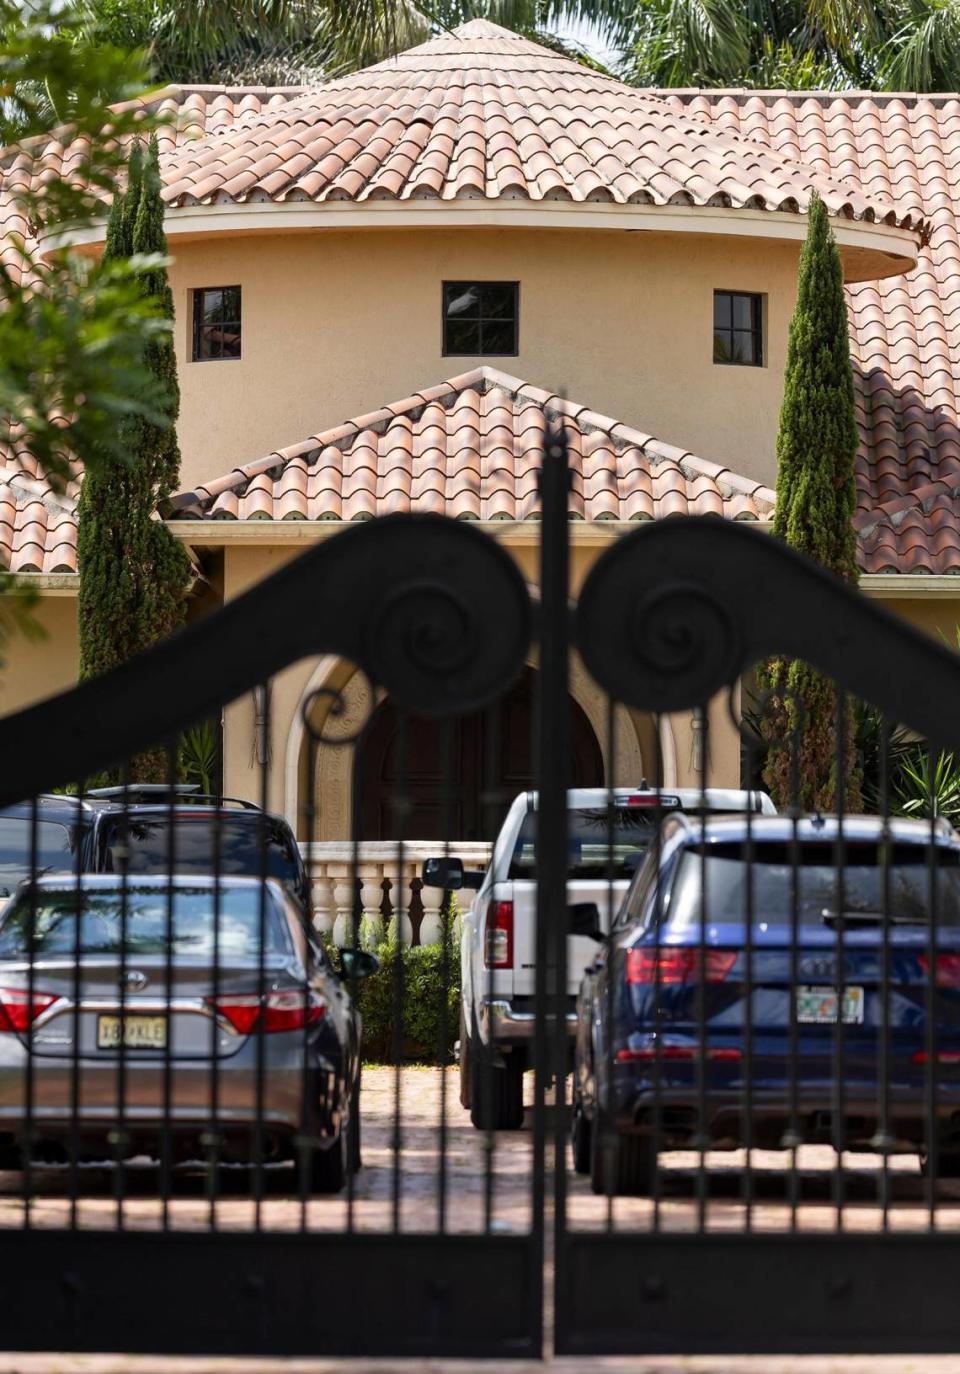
point(905, 331)
point(38, 530)
point(483, 113)
point(470, 448)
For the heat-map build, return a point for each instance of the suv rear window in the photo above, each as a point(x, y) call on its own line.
point(54, 850)
point(230, 848)
point(601, 843)
point(862, 895)
point(97, 919)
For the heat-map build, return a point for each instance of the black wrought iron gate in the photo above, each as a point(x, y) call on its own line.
point(184, 1104)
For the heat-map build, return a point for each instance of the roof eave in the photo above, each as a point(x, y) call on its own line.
point(870, 250)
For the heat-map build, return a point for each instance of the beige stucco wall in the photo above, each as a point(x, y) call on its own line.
point(336, 324)
point(36, 668)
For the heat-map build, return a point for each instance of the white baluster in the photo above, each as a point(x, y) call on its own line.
point(324, 903)
point(431, 927)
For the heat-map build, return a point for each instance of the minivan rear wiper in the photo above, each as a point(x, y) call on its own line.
point(838, 920)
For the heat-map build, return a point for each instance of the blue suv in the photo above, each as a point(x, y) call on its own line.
point(769, 984)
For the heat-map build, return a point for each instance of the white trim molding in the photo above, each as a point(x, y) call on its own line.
point(870, 251)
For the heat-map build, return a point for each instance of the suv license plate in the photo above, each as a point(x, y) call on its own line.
point(818, 1006)
point(139, 1032)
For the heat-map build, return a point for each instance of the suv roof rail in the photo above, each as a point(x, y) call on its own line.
point(142, 791)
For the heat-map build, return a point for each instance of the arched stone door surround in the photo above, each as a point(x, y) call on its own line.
point(333, 782)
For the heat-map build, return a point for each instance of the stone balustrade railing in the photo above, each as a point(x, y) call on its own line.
point(387, 887)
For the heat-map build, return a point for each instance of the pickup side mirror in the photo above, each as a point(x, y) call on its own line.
point(583, 918)
point(358, 964)
point(449, 874)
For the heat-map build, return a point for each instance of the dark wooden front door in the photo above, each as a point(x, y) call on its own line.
point(491, 761)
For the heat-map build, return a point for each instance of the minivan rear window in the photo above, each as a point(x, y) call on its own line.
point(95, 922)
point(600, 843)
point(877, 883)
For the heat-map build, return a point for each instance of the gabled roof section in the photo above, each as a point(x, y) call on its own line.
point(470, 448)
point(483, 113)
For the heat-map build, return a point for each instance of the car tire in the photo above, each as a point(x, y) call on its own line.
point(328, 1168)
point(496, 1092)
point(466, 1085)
point(581, 1131)
point(622, 1165)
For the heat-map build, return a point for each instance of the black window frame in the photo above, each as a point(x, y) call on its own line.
point(730, 330)
point(200, 326)
point(449, 288)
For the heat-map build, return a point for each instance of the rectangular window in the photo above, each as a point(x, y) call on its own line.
point(216, 323)
point(480, 318)
point(738, 328)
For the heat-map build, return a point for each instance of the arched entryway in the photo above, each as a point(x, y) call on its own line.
point(491, 760)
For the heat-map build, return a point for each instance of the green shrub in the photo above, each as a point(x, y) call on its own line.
point(423, 1026)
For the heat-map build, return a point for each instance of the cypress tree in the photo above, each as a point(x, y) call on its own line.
point(133, 573)
point(816, 500)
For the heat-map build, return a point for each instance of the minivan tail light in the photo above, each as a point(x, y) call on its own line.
point(671, 966)
point(499, 943)
point(277, 1011)
point(19, 1008)
point(948, 969)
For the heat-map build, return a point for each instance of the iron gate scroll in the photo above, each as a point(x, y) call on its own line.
point(808, 1255)
point(435, 614)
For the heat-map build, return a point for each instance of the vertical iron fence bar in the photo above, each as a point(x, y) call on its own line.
point(794, 1136)
point(656, 989)
point(931, 1010)
point(882, 1139)
point(611, 752)
point(840, 968)
point(446, 925)
point(482, 1080)
point(747, 1085)
point(120, 1129)
point(700, 985)
point(356, 915)
point(263, 734)
point(31, 983)
point(400, 805)
point(552, 772)
point(213, 1130)
point(76, 993)
point(166, 1140)
point(305, 1145)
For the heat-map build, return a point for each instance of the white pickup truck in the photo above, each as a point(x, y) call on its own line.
point(498, 944)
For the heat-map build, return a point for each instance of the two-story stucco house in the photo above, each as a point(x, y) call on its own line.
point(383, 286)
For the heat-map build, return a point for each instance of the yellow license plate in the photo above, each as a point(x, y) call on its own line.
point(139, 1032)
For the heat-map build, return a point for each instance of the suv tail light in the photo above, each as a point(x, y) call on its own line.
point(948, 969)
point(19, 1010)
point(648, 1053)
point(277, 1011)
point(498, 952)
point(671, 966)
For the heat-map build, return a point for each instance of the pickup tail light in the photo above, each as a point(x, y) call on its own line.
point(671, 966)
point(19, 1008)
point(498, 951)
point(277, 1011)
point(948, 969)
